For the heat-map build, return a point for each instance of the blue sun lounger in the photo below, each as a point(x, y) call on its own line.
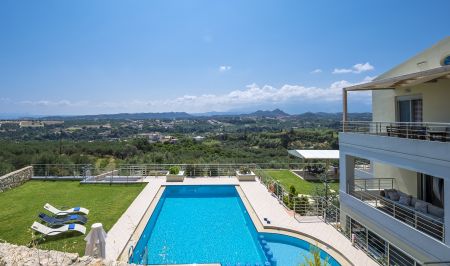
point(62, 220)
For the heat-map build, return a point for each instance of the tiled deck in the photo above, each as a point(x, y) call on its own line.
point(264, 206)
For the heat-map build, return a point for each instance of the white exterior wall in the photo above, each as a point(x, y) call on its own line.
point(428, 59)
point(435, 97)
point(406, 180)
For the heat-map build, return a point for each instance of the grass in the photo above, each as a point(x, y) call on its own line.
point(288, 179)
point(20, 206)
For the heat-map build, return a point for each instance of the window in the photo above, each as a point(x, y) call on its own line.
point(446, 61)
point(409, 109)
point(431, 190)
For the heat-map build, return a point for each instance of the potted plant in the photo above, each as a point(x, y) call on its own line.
point(245, 174)
point(175, 174)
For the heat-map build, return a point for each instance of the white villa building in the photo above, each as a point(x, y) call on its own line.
point(399, 210)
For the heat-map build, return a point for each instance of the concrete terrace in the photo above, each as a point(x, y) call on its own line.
point(262, 205)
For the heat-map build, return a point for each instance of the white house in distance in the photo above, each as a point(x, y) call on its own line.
point(401, 214)
point(198, 138)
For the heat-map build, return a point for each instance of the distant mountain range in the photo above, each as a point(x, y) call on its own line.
point(277, 113)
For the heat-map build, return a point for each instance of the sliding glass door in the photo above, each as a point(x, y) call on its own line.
point(409, 109)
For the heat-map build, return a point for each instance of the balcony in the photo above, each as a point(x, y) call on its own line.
point(430, 131)
point(373, 193)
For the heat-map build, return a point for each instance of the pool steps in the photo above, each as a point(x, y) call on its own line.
point(266, 248)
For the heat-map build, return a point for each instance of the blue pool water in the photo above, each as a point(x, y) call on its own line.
point(290, 251)
point(209, 224)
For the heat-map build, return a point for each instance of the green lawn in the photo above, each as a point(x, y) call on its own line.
point(288, 179)
point(20, 206)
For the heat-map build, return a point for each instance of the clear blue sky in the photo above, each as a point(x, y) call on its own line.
point(83, 57)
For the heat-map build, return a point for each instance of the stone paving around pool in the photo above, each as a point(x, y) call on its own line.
point(263, 205)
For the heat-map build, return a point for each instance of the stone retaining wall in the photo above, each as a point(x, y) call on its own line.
point(21, 255)
point(16, 178)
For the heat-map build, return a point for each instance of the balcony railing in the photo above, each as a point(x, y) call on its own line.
point(420, 221)
point(375, 183)
point(412, 130)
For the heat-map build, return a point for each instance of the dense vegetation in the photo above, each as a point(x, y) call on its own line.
point(261, 137)
point(218, 148)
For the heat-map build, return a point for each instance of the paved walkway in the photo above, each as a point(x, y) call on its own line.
point(262, 202)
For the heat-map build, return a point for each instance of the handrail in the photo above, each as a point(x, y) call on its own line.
point(130, 253)
point(433, 131)
point(394, 122)
point(375, 183)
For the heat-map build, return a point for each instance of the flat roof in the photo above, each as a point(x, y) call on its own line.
point(315, 154)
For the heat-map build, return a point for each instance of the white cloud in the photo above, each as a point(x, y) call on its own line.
point(357, 68)
point(252, 96)
point(224, 68)
point(316, 71)
point(60, 103)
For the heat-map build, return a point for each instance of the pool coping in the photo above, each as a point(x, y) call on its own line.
point(135, 236)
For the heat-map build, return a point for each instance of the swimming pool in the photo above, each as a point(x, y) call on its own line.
point(206, 224)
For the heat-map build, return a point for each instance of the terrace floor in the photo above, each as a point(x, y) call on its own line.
point(262, 205)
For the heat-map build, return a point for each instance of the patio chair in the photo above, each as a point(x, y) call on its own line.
point(53, 221)
point(58, 212)
point(38, 227)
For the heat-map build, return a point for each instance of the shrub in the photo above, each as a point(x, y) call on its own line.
point(302, 207)
point(314, 260)
point(174, 170)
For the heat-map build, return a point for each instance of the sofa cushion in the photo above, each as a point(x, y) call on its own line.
point(405, 200)
point(421, 206)
point(393, 195)
point(435, 211)
point(413, 201)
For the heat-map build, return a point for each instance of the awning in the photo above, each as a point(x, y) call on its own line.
point(315, 154)
point(407, 80)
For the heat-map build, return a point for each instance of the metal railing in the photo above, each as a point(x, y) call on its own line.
point(376, 247)
point(432, 131)
point(422, 222)
point(134, 172)
point(73, 171)
point(306, 205)
point(375, 183)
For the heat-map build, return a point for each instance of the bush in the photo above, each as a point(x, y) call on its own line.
point(174, 170)
point(302, 205)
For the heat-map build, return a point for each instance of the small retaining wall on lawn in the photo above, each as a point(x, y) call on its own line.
point(21, 255)
point(16, 178)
